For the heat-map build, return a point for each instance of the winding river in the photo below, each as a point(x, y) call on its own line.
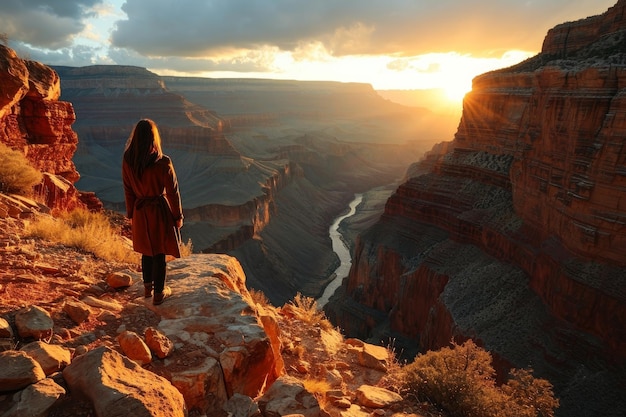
point(342, 251)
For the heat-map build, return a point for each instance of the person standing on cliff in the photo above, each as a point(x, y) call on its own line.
point(153, 205)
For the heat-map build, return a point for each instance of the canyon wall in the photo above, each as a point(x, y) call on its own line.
point(514, 233)
point(263, 166)
point(34, 121)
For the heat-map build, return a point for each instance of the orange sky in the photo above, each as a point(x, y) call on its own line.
point(391, 44)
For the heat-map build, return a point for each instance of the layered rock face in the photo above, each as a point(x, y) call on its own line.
point(513, 234)
point(34, 121)
point(263, 166)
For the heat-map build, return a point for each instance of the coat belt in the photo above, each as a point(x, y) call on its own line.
point(148, 201)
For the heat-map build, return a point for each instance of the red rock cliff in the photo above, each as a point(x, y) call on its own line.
point(34, 121)
point(515, 233)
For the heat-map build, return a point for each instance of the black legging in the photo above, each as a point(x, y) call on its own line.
point(153, 268)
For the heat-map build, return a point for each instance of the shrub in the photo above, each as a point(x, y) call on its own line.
point(17, 175)
point(531, 393)
point(461, 381)
point(84, 230)
point(307, 310)
point(259, 297)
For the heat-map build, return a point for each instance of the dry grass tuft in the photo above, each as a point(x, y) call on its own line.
point(186, 249)
point(17, 175)
point(84, 230)
point(318, 388)
point(306, 309)
point(259, 297)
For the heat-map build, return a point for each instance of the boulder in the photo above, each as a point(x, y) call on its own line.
point(52, 358)
point(34, 322)
point(158, 343)
point(211, 310)
point(287, 396)
point(134, 347)
point(6, 331)
point(36, 400)
point(118, 386)
point(376, 397)
point(78, 311)
point(18, 370)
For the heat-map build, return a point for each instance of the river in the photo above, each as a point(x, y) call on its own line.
point(342, 251)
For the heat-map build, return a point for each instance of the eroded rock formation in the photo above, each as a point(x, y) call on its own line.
point(34, 121)
point(263, 166)
point(514, 233)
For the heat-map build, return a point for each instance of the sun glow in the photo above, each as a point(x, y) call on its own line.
point(451, 72)
point(455, 90)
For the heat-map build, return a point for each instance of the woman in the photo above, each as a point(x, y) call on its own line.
point(153, 205)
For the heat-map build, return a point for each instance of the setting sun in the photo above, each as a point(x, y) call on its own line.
point(455, 90)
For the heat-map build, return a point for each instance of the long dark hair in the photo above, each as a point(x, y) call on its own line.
point(143, 147)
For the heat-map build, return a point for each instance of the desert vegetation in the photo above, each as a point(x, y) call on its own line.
point(307, 310)
point(455, 381)
point(460, 380)
point(93, 232)
point(84, 230)
point(17, 175)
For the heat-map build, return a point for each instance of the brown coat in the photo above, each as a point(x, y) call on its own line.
point(153, 202)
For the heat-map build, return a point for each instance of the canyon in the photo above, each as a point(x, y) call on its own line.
point(264, 166)
point(513, 233)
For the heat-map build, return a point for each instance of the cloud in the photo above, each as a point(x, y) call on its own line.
point(75, 56)
point(402, 27)
point(261, 36)
point(45, 23)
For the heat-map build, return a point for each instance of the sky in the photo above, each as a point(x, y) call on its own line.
point(391, 44)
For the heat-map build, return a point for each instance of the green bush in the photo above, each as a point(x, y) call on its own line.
point(17, 175)
point(461, 381)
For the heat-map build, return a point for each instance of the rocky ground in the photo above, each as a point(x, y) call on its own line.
point(36, 272)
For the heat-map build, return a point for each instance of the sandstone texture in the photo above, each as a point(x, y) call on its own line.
point(34, 121)
point(513, 233)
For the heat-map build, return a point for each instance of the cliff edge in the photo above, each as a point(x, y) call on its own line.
point(513, 233)
point(34, 121)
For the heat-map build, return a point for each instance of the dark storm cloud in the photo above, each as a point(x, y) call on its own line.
point(196, 28)
point(45, 23)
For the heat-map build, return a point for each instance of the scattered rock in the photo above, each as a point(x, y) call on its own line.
point(134, 347)
point(36, 399)
point(376, 397)
point(18, 370)
point(5, 329)
point(77, 310)
point(370, 356)
point(111, 305)
point(119, 280)
point(34, 322)
point(158, 343)
point(118, 386)
point(286, 396)
point(52, 358)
